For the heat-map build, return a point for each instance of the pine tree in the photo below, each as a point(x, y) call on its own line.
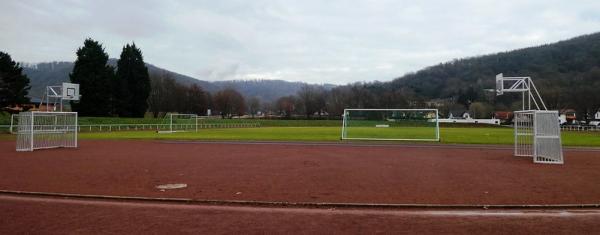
point(95, 79)
point(133, 83)
point(14, 86)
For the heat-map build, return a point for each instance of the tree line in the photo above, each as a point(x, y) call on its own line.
point(566, 73)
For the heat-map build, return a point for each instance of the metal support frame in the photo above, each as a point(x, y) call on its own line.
point(57, 94)
point(523, 85)
point(344, 135)
point(54, 94)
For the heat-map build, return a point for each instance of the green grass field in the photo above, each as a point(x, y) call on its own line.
point(448, 135)
point(316, 130)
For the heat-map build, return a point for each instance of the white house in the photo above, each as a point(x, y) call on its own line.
point(459, 114)
point(463, 116)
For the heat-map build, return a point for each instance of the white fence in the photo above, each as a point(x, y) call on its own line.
point(160, 127)
point(14, 121)
point(580, 128)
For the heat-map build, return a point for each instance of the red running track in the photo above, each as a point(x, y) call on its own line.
point(304, 173)
point(35, 215)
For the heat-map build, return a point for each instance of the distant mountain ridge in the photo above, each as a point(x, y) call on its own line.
point(54, 73)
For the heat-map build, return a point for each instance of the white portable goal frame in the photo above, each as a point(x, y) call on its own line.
point(176, 125)
point(433, 121)
point(537, 135)
point(43, 130)
point(536, 129)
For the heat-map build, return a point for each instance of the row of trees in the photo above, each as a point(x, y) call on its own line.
point(14, 85)
point(167, 95)
point(313, 100)
point(106, 92)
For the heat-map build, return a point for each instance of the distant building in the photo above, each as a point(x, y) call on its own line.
point(34, 104)
point(459, 114)
point(504, 116)
point(567, 116)
point(464, 116)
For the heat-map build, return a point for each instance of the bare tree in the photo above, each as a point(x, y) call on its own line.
point(167, 95)
point(312, 99)
point(253, 105)
point(286, 105)
point(229, 102)
point(197, 100)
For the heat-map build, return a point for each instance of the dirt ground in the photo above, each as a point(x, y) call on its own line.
point(403, 174)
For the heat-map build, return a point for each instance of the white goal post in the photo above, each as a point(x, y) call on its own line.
point(43, 130)
point(178, 122)
point(391, 124)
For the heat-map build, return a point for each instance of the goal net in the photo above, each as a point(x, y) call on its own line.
point(42, 130)
point(175, 122)
point(537, 135)
point(391, 124)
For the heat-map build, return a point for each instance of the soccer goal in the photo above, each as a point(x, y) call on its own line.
point(391, 124)
point(43, 130)
point(177, 122)
point(537, 135)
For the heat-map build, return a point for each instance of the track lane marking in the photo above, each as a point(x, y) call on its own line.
point(345, 211)
point(282, 204)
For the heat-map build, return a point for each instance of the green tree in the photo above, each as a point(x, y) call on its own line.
point(95, 78)
point(132, 83)
point(14, 86)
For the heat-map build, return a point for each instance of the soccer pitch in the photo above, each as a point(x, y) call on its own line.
point(450, 135)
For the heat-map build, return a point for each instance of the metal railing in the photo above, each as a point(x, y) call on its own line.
point(142, 127)
point(159, 127)
point(126, 127)
point(580, 128)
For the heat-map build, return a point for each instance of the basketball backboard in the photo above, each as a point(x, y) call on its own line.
point(70, 91)
point(499, 84)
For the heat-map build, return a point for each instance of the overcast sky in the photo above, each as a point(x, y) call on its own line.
point(313, 41)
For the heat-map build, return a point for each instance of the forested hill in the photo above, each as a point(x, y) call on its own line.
point(54, 73)
point(567, 74)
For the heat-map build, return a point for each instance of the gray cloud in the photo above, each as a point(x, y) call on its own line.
point(315, 41)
